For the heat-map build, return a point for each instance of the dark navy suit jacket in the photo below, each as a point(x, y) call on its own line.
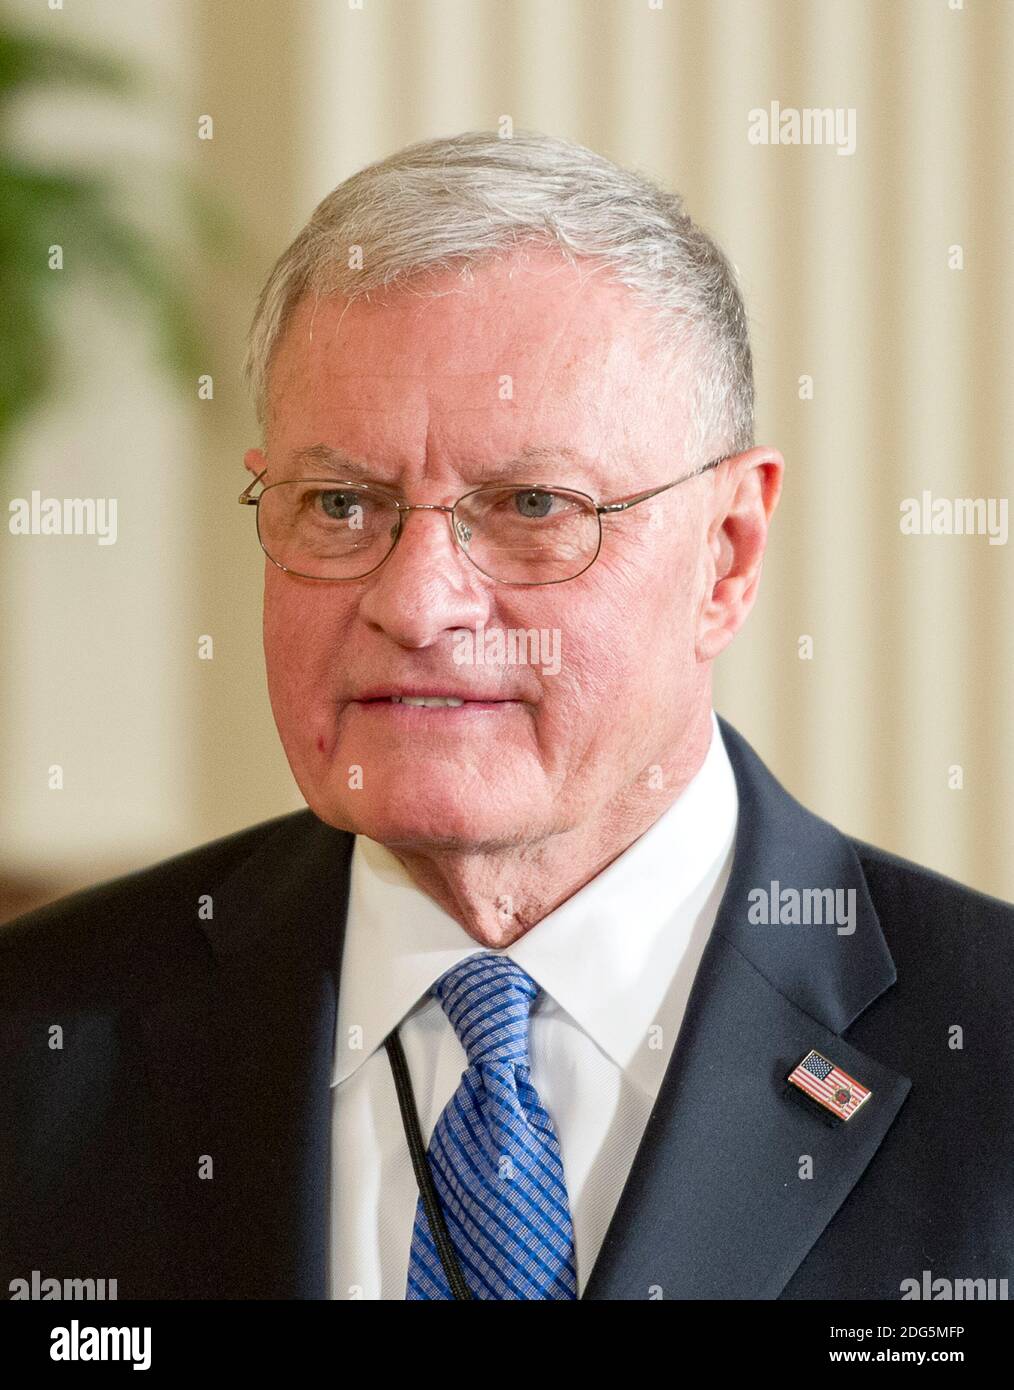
point(184, 1036)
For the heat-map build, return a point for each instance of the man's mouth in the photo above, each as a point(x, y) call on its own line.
point(433, 699)
point(428, 701)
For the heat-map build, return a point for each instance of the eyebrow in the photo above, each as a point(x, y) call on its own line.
point(338, 461)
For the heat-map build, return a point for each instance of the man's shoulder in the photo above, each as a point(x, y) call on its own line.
point(904, 892)
point(926, 914)
point(907, 880)
point(136, 917)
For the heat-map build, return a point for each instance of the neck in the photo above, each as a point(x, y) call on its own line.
point(499, 895)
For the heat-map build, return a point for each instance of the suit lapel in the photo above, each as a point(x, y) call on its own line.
point(254, 1093)
point(714, 1205)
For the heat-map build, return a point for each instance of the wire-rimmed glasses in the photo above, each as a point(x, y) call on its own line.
point(515, 533)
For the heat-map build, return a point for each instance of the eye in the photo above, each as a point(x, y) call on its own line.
point(343, 505)
point(533, 502)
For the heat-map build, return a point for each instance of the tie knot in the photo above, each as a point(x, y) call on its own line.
point(488, 999)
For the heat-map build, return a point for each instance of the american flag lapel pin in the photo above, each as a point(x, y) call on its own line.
point(828, 1085)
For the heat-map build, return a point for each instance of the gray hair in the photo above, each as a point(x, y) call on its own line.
point(456, 202)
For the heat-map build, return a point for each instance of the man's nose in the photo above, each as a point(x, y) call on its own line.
point(427, 585)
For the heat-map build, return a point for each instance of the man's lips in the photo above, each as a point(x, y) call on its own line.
point(431, 697)
point(408, 692)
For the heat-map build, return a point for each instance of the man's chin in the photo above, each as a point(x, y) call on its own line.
point(424, 819)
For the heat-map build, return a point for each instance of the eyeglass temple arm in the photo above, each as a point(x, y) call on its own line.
point(653, 492)
point(244, 498)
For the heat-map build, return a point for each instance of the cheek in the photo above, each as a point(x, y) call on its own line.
point(302, 642)
point(284, 651)
point(626, 648)
point(608, 651)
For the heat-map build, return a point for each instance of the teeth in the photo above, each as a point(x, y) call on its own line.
point(428, 701)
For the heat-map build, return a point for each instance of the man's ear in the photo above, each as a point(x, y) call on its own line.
point(254, 461)
point(745, 498)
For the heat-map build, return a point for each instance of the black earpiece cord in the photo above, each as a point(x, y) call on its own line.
point(423, 1176)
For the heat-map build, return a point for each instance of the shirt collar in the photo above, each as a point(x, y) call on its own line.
point(629, 925)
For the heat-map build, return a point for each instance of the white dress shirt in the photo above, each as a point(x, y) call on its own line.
point(616, 962)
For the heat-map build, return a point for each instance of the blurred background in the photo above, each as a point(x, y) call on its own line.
point(881, 294)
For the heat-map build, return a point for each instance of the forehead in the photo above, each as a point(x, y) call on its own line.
point(524, 346)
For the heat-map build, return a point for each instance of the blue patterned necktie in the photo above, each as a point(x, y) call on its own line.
point(494, 1154)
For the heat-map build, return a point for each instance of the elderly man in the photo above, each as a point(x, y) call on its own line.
point(552, 992)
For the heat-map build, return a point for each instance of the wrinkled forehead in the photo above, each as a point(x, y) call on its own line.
point(510, 348)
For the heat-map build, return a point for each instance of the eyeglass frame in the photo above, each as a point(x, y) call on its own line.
point(601, 509)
